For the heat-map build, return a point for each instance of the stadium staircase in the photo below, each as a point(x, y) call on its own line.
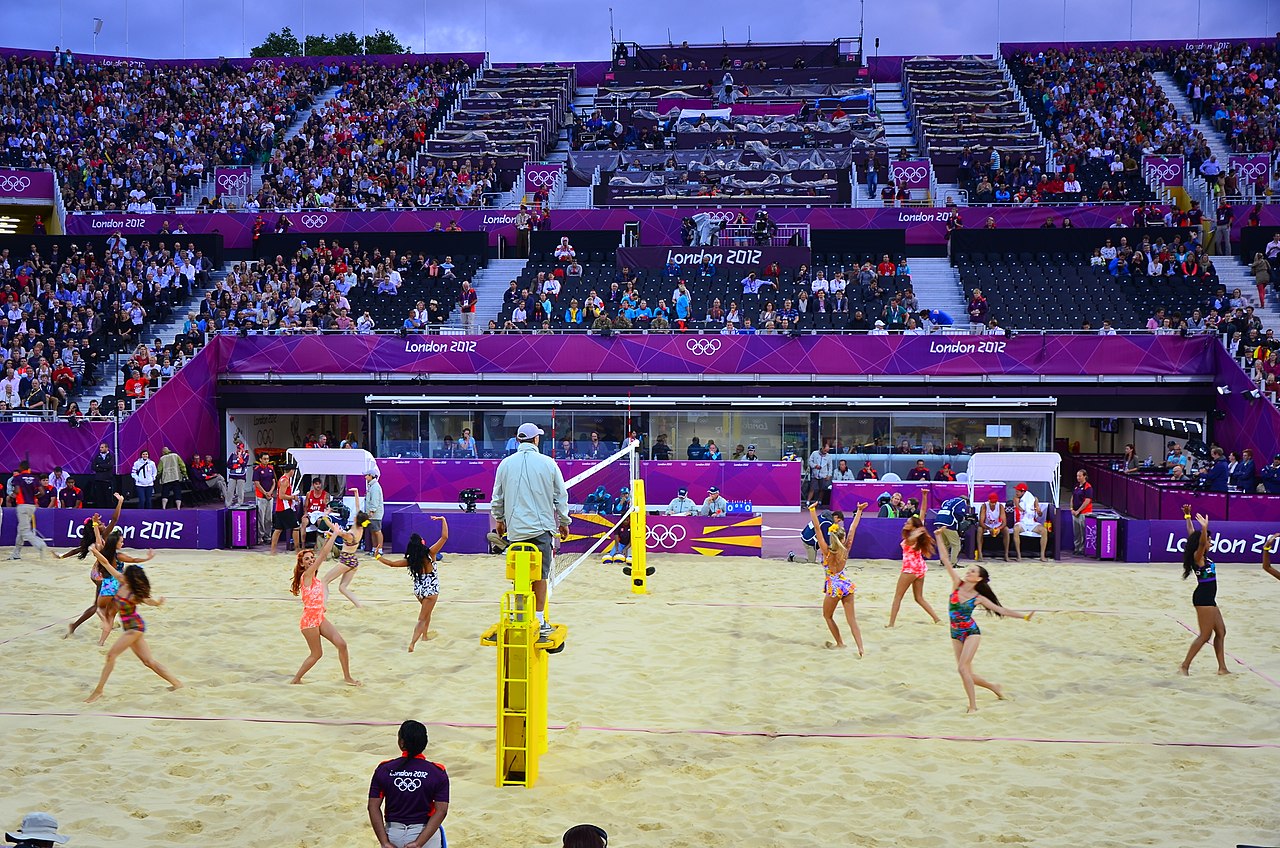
point(893, 111)
point(937, 286)
point(108, 384)
point(1234, 274)
point(573, 197)
point(1217, 141)
point(490, 283)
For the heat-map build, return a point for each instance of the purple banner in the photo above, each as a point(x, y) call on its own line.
point(466, 530)
point(1250, 166)
point(46, 444)
point(677, 534)
point(1168, 171)
point(143, 528)
point(846, 496)
point(743, 259)
point(538, 177)
point(1165, 541)
point(714, 354)
point(20, 184)
point(658, 226)
point(232, 181)
point(764, 484)
point(911, 173)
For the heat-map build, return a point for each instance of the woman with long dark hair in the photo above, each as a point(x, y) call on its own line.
point(91, 535)
point(917, 546)
point(134, 589)
point(421, 562)
point(969, 590)
point(107, 606)
point(313, 624)
point(1205, 597)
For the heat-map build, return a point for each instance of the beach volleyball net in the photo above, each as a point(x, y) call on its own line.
point(605, 497)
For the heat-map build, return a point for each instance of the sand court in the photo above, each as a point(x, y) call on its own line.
point(707, 713)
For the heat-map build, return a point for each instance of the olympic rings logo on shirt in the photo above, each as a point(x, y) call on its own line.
point(233, 182)
point(1252, 170)
point(665, 537)
point(542, 179)
point(1165, 171)
point(407, 784)
point(910, 173)
point(312, 222)
point(703, 347)
point(15, 183)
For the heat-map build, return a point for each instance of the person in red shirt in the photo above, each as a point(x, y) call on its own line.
point(945, 474)
point(315, 506)
point(867, 472)
point(64, 377)
point(886, 268)
point(284, 519)
point(136, 387)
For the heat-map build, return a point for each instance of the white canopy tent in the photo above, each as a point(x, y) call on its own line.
point(1017, 467)
point(338, 462)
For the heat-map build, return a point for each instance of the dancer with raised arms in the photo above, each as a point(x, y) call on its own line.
point(91, 535)
point(421, 562)
point(969, 590)
point(1195, 560)
point(314, 625)
point(349, 556)
point(916, 544)
point(107, 606)
point(837, 588)
point(134, 589)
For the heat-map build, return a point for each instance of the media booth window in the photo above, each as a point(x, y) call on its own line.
point(918, 434)
point(857, 433)
point(396, 434)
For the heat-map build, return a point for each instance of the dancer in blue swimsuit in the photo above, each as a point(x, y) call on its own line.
point(968, 590)
point(1204, 598)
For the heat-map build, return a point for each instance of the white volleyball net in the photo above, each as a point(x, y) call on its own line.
point(601, 499)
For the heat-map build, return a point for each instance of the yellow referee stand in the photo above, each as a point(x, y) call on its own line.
point(522, 671)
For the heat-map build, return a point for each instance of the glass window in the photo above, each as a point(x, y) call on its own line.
point(856, 433)
point(608, 428)
point(795, 436)
point(918, 434)
point(499, 430)
point(1027, 433)
point(446, 432)
point(396, 434)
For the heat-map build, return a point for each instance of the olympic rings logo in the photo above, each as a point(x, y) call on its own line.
point(910, 173)
point(232, 183)
point(1166, 171)
point(407, 784)
point(313, 222)
point(703, 347)
point(15, 184)
point(722, 215)
point(1251, 170)
point(542, 178)
point(665, 537)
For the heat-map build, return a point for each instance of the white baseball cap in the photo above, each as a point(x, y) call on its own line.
point(528, 430)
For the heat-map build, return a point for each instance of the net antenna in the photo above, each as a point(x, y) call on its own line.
point(565, 564)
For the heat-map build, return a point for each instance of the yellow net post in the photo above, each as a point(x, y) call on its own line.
point(639, 529)
point(522, 671)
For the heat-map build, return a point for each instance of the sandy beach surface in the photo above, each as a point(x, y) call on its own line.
point(707, 713)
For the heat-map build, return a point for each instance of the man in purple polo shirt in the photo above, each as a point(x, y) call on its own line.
point(26, 493)
point(415, 792)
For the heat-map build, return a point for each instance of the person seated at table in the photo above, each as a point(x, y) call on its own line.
point(598, 501)
point(682, 504)
point(714, 504)
point(945, 474)
point(1180, 476)
point(1175, 458)
point(867, 472)
point(920, 472)
point(622, 502)
point(844, 473)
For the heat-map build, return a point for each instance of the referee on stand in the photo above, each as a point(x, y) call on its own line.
point(530, 503)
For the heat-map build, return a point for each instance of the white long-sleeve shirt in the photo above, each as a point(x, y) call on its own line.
point(144, 473)
point(529, 494)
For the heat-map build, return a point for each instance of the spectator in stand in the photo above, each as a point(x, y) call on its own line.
point(70, 496)
point(206, 471)
point(564, 251)
point(1270, 476)
point(172, 474)
point(144, 478)
point(1216, 478)
point(104, 472)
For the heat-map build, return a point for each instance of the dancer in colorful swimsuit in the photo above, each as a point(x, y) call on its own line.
point(91, 533)
point(916, 545)
point(314, 625)
point(110, 549)
point(837, 588)
point(134, 589)
point(349, 556)
point(968, 590)
point(421, 562)
point(1205, 597)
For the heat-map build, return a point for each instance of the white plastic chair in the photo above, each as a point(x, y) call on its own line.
point(962, 477)
point(890, 477)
